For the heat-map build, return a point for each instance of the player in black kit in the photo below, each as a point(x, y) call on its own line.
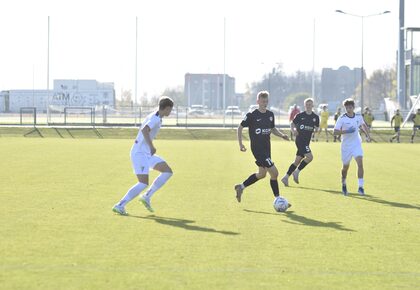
point(261, 124)
point(303, 125)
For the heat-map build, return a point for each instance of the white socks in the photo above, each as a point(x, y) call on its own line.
point(132, 193)
point(157, 183)
point(361, 182)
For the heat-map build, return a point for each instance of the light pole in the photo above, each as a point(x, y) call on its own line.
point(362, 17)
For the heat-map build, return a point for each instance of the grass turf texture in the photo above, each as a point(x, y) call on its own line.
point(58, 231)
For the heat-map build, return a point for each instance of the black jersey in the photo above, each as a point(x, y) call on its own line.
point(260, 125)
point(305, 125)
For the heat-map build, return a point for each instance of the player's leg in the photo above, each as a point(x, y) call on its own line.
point(398, 135)
point(415, 128)
point(160, 165)
point(326, 133)
point(345, 158)
point(274, 174)
point(239, 188)
point(360, 173)
point(135, 190)
point(305, 161)
point(292, 168)
point(141, 169)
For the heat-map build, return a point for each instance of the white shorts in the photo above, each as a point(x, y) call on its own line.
point(143, 162)
point(347, 153)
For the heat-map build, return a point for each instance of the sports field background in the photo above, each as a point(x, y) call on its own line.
point(58, 230)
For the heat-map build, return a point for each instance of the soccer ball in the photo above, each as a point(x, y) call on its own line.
point(280, 204)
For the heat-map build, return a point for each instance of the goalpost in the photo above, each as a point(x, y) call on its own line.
point(28, 113)
point(79, 116)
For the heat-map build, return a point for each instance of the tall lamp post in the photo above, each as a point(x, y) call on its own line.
point(362, 17)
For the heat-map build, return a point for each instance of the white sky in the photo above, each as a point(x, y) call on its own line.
point(92, 39)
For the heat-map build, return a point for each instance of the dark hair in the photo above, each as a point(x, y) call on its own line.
point(262, 94)
point(165, 102)
point(348, 102)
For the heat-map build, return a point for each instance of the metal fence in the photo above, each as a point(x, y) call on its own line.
point(132, 116)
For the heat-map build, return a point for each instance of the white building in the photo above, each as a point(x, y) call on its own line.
point(66, 93)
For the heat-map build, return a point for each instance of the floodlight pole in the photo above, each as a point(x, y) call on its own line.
point(362, 75)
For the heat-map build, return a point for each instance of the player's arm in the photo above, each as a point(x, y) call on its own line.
point(239, 134)
point(365, 129)
point(392, 120)
point(146, 134)
point(293, 129)
point(338, 128)
point(279, 133)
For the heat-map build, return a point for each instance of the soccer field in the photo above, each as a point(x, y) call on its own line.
point(58, 230)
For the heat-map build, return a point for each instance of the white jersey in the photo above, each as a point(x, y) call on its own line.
point(344, 123)
point(153, 121)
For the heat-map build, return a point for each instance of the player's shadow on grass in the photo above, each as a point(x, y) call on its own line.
point(372, 198)
point(320, 189)
point(301, 220)
point(183, 223)
point(368, 198)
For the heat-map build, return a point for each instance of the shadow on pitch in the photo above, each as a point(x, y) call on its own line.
point(372, 198)
point(321, 189)
point(182, 223)
point(368, 197)
point(301, 220)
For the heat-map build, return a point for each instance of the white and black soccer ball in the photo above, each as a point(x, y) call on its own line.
point(280, 204)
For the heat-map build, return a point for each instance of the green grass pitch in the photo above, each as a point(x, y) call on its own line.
point(58, 230)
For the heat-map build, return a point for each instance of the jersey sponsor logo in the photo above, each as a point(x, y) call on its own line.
point(263, 131)
point(258, 120)
point(306, 128)
point(314, 119)
point(271, 118)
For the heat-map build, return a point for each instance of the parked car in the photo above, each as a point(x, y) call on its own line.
point(196, 110)
point(233, 111)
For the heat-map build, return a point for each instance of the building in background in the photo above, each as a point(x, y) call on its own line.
point(207, 90)
point(66, 93)
point(337, 85)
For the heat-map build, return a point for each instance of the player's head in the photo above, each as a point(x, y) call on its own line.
point(324, 108)
point(418, 111)
point(165, 105)
point(397, 111)
point(339, 110)
point(309, 104)
point(262, 99)
point(349, 105)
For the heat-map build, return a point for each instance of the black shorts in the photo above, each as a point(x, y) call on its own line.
point(397, 129)
point(417, 127)
point(263, 160)
point(302, 148)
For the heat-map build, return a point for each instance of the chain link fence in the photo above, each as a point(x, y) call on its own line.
point(181, 116)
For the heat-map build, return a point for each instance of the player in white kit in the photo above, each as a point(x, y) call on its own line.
point(348, 125)
point(143, 159)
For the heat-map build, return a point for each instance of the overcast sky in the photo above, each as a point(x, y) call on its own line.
point(93, 39)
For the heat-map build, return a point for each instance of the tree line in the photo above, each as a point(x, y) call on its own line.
point(287, 89)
